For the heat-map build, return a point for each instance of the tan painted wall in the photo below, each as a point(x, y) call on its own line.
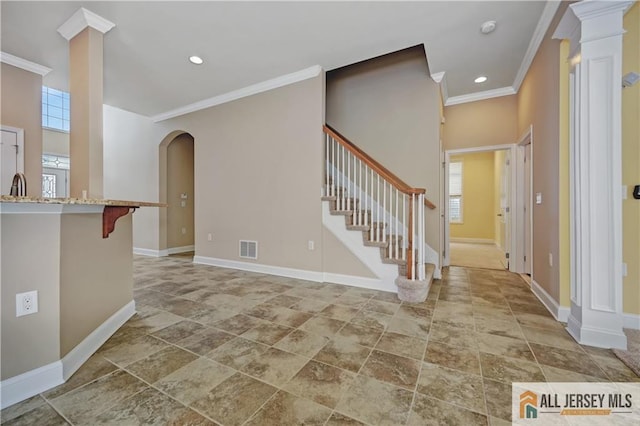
point(481, 123)
point(478, 216)
point(389, 107)
point(180, 181)
point(30, 341)
point(21, 106)
point(631, 162)
point(539, 105)
point(258, 171)
point(55, 142)
point(96, 275)
point(131, 168)
point(338, 259)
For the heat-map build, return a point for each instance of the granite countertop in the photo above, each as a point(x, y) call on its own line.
point(79, 201)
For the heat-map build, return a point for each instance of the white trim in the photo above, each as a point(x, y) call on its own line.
point(548, 13)
point(560, 313)
point(15, 61)
point(472, 240)
point(328, 277)
point(260, 268)
point(480, 96)
point(150, 252)
point(177, 250)
point(30, 208)
point(350, 280)
point(477, 149)
point(274, 83)
point(441, 79)
point(631, 321)
point(90, 344)
point(26, 385)
point(82, 19)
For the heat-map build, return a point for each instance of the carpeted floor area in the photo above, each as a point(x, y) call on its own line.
point(472, 255)
point(631, 357)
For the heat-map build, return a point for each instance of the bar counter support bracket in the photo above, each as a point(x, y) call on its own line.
point(110, 215)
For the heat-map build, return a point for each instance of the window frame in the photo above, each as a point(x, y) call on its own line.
point(459, 196)
point(47, 120)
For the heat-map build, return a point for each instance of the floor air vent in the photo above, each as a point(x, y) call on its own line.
point(249, 249)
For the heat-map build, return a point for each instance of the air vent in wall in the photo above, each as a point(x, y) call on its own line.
point(249, 249)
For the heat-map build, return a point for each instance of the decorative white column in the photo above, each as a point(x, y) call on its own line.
point(84, 31)
point(595, 31)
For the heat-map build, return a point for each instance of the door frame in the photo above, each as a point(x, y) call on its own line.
point(520, 219)
point(512, 148)
point(20, 141)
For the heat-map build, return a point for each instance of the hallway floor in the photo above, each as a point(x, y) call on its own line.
point(473, 255)
point(211, 345)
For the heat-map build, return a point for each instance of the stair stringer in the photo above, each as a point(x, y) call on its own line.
point(370, 256)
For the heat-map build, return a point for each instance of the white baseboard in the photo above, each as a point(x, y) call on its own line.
point(150, 252)
point(472, 240)
point(260, 268)
point(81, 353)
point(631, 321)
point(33, 382)
point(560, 313)
point(351, 280)
point(26, 385)
point(177, 250)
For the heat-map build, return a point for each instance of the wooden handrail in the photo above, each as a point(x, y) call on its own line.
point(376, 166)
point(429, 204)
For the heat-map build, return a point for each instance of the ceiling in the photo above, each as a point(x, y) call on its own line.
point(244, 43)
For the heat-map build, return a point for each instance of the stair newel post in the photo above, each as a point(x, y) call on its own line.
point(421, 236)
point(366, 193)
point(371, 221)
point(404, 228)
point(411, 259)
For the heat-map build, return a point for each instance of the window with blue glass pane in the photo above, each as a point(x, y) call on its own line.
point(55, 109)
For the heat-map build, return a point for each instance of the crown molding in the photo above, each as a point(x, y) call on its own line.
point(82, 19)
point(24, 64)
point(479, 96)
point(548, 13)
point(264, 86)
point(441, 79)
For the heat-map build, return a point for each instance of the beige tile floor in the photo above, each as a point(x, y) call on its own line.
point(217, 346)
point(473, 255)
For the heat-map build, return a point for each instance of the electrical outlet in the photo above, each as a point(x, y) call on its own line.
point(184, 231)
point(311, 245)
point(26, 303)
point(550, 259)
point(624, 270)
point(209, 237)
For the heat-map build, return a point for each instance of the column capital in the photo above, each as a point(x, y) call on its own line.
point(82, 19)
point(588, 9)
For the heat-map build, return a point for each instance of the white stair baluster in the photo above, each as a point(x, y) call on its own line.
point(327, 191)
point(405, 224)
point(371, 230)
point(413, 227)
point(378, 207)
point(384, 209)
point(348, 187)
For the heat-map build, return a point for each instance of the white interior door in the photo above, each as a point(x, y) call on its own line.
point(505, 209)
point(8, 160)
point(527, 209)
point(55, 183)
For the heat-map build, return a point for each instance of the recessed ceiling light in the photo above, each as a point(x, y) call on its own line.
point(196, 60)
point(488, 27)
point(480, 79)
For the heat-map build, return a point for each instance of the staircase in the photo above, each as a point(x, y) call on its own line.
point(388, 213)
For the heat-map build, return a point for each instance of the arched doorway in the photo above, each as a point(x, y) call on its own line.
point(176, 186)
